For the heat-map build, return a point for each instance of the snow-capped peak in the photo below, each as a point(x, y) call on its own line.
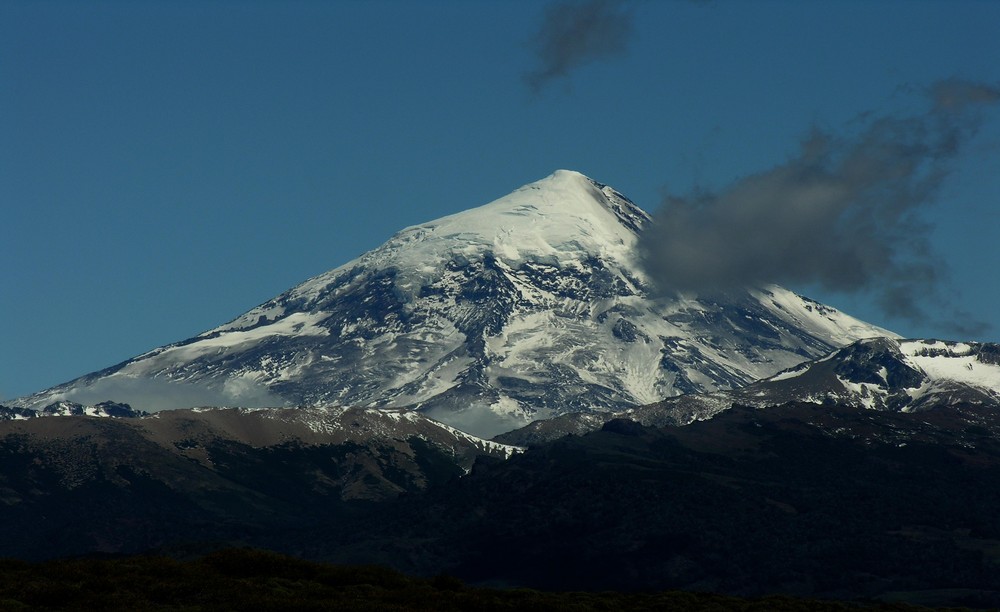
point(564, 217)
point(529, 306)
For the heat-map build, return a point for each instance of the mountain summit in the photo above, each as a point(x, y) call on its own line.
point(530, 306)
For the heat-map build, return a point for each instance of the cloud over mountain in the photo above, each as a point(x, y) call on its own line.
point(843, 213)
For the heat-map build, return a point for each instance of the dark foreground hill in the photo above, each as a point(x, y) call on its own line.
point(799, 499)
point(75, 485)
point(804, 500)
point(257, 580)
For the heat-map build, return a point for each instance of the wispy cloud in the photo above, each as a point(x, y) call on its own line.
point(575, 34)
point(843, 214)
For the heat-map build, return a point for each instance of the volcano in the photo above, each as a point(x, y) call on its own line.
point(529, 307)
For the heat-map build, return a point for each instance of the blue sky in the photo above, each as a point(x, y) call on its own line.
point(166, 166)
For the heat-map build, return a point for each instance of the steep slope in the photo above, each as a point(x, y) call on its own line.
point(528, 307)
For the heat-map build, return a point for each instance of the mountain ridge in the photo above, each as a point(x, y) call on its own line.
point(870, 375)
point(528, 307)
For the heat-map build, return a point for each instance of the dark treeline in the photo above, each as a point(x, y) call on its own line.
point(244, 579)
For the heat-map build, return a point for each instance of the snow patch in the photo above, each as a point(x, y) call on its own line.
point(954, 361)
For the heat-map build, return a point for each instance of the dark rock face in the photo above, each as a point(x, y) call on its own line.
point(627, 331)
point(625, 427)
point(118, 410)
point(8, 413)
point(989, 353)
point(877, 362)
point(65, 408)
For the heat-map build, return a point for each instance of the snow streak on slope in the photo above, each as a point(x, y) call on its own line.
point(530, 306)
